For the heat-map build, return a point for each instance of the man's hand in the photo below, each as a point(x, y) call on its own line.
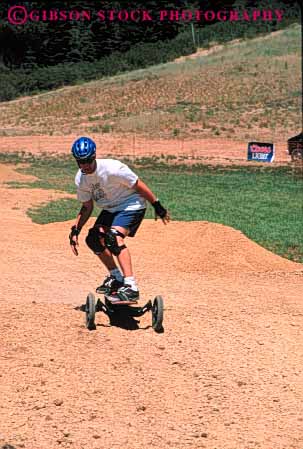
point(161, 212)
point(73, 239)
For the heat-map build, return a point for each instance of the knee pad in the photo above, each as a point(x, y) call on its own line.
point(93, 240)
point(111, 243)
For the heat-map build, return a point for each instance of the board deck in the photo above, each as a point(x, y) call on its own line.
point(116, 301)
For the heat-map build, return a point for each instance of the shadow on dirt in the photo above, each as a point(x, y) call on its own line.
point(7, 446)
point(125, 321)
point(123, 318)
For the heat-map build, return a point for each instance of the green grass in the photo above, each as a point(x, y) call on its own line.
point(265, 203)
point(55, 211)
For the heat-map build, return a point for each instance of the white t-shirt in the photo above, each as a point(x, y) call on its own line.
point(110, 186)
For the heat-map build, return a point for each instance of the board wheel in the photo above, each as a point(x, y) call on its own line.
point(157, 314)
point(90, 311)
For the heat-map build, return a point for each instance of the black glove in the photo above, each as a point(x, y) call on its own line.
point(160, 211)
point(74, 231)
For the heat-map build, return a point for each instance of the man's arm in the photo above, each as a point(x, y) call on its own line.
point(84, 214)
point(82, 217)
point(145, 191)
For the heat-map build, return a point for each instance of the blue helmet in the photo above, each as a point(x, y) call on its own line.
point(83, 148)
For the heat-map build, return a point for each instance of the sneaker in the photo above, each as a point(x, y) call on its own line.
point(126, 293)
point(110, 284)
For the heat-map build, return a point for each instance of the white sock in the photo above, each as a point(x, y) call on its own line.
point(130, 280)
point(117, 274)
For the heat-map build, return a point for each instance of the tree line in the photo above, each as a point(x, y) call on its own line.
point(43, 55)
point(46, 42)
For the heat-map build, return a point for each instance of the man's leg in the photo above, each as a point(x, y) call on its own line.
point(128, 292)
point(107, 259)
point(125, 223)
point(124, 258)
point(106, 256)
point(95, 242)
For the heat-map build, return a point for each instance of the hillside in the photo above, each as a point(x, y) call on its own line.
point(243, 90)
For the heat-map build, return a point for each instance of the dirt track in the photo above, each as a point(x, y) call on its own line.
point(218, 151)
point(225, 374)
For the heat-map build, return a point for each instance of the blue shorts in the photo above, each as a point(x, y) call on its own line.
point(128, 219)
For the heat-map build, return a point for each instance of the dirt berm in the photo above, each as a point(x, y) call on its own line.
point(226, 373)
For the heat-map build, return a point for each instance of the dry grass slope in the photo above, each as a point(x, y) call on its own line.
point(252, 87)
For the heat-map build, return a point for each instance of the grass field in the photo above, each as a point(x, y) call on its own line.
point(265, 203)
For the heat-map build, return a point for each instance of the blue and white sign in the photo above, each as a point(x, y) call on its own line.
point(262, 152)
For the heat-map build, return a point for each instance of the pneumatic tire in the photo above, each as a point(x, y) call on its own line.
point(90, 312)
point(157, 314)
